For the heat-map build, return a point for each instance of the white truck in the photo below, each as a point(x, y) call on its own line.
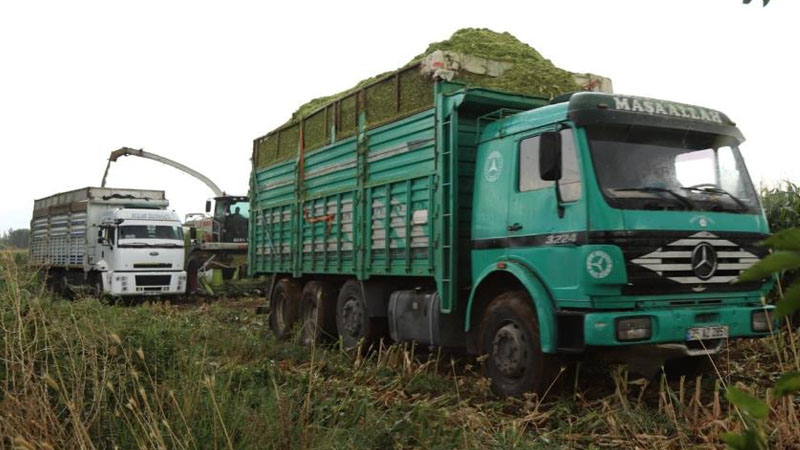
point(118, 242)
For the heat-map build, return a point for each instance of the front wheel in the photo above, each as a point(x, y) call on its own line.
point(509, 337)
point(97, 287)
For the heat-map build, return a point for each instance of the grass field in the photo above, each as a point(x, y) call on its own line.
point(83, 374)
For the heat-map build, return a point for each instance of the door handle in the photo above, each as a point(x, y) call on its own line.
point(514, 227)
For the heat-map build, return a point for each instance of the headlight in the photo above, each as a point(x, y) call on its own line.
point(762, 320)
point(634, 328)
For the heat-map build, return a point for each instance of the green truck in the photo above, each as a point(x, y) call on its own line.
point(518, 227)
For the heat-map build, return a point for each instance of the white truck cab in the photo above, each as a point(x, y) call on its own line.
point(140, 252)
point(120, 242)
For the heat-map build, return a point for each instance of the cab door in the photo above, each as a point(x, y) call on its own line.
point(493, 175)
point(543, 231)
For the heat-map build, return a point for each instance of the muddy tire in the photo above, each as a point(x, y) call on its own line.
point(318, 313)
point(352, 319)
point(284, 307)
point(63, 288)
point(509, 337)
point(51, 281)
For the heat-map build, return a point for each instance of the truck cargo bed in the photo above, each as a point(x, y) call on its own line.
point(398, 185)
point(60, 222)
point(392, 200)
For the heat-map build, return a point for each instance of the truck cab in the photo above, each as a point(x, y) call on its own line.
point(627, 219)
point(512, 226)
point(140, 252)
point(231, 214)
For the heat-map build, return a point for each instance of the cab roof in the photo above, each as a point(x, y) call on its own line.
point(594, 108)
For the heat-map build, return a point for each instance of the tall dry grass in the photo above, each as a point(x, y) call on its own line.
point(79, 375)
point(86, 375)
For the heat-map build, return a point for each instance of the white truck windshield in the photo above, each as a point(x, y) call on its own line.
point(170, 232)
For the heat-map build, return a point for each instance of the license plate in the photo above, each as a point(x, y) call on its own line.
point(703, 333)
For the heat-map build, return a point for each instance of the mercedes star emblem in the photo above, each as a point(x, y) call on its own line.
point(704, 260)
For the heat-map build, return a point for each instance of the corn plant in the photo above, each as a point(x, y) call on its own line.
point(781, 205)
point(753, 411)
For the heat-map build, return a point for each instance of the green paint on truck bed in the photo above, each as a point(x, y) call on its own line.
point(392, 200)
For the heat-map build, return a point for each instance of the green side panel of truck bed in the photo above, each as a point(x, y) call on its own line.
point(393, 200)
point(364, 207)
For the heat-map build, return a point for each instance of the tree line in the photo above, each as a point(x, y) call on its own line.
point(18, 238)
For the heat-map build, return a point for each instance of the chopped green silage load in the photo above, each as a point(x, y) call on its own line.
point(529, 74)
point(519, 68)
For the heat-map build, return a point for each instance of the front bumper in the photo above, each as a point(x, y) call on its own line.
point(671, 325)
point(144, 283)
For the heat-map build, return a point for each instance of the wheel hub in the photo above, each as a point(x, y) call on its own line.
point(509, 350)
point(352, 316)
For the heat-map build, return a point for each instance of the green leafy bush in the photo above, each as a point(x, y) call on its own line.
point(785, 257)
point(781, 205)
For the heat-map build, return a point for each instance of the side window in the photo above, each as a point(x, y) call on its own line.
point(729, 176)
point(570, 172)
point(529, 167)
point(107, 233)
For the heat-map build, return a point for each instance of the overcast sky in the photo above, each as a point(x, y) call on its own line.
point(197, 81)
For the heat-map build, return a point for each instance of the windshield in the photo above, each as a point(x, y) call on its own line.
point(658, 168)
point(130, 233)
point(233, 218)
point(240, 208)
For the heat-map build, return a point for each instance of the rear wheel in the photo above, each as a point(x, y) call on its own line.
point(318, 312)
point(509, 336)
point(51, 281)
point(64, 289)
point(284, 307)
point(352, 317)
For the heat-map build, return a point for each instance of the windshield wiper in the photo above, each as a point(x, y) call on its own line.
point(715, 190)
point(681, 199)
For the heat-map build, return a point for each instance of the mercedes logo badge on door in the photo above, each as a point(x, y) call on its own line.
point(704, 260)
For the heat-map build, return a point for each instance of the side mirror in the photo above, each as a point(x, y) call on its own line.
point(99, 236)
point(550, 156)
point(208, 206)
point(193, 233)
